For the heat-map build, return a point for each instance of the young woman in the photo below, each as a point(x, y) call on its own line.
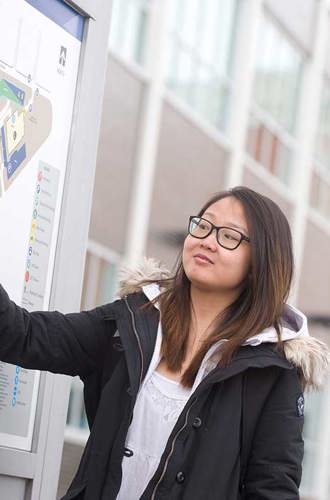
point(193, 380)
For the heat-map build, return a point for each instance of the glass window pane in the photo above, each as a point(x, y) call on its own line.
point(128, 29)
point(189, 17)
point(315, 407)
point(182, 79)
point(108, 282)
point(210, 96)
point(228, 10)
point(198, 69)
point(139, 42)
point(277, 79)
point(267, 148)
point(277, 75)
point(209, 26)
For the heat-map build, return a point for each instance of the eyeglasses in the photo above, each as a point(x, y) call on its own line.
point(227, 237)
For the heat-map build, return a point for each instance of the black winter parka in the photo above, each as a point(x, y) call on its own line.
point(239, 435)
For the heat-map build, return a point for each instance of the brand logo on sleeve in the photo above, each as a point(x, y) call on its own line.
point(300, 405)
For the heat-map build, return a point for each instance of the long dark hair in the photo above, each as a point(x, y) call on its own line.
point(258, 306)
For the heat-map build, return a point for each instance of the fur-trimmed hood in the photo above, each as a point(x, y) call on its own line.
point(309, 354)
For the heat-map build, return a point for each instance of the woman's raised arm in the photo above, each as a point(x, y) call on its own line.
point(71, 344)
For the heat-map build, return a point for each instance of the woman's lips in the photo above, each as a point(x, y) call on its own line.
point(202, 258)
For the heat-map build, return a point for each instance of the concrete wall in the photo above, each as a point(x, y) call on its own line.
point(314, 292)
point(115, 162)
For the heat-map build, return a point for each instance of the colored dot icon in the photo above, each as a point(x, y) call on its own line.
point(33, 230)
point(39, 176)
point(27, 276)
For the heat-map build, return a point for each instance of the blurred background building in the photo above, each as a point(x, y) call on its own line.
point(203, 95)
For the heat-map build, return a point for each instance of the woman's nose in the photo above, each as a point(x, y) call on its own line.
point(210, 241)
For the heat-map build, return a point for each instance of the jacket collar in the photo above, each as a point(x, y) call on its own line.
point(138, 333)
point(310, 355)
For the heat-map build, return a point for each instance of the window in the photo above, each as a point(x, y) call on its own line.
point(100, 284)
point(201, 42)
point(314, 435)
point(100, 277)
point(320, 185)
point(76, 416)
point(128, 29)
point(278, 74)
point(265, 145)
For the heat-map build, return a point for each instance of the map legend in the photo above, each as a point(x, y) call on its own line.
point(42, 226)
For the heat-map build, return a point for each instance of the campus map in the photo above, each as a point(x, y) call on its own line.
point(40, 46)
point(25, 123)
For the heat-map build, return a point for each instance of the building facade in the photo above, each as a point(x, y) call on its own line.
point(203, 95)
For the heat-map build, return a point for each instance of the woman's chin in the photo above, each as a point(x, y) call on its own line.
point(201, 284)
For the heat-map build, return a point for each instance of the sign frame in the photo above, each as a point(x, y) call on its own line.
point(34, 475)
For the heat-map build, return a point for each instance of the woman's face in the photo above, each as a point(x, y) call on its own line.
point(228, 268)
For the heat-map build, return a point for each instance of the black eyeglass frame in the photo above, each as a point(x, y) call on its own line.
point(213, 226)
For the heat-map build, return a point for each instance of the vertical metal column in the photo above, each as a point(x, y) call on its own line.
point(306, 131)
point(148, 134)
point(244, 59)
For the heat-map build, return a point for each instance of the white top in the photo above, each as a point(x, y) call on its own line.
point(161, 400)
point(158, 406)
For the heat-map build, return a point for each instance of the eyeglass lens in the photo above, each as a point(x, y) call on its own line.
point(227, 237)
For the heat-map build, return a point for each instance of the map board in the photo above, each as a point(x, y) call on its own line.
point(40, 45)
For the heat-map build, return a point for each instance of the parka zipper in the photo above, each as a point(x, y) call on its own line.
point(171, 451)
point(137, 338)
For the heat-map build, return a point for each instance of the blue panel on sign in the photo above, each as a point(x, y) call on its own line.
point(16, 159)
point(62, 14)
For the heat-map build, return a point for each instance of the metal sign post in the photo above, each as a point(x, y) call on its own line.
point(53, 57)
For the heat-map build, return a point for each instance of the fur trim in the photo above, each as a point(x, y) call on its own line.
point(130, 279)
point(310, 355)
point(312, 358)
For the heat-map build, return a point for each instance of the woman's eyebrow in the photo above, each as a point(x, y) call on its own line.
point(232, 224)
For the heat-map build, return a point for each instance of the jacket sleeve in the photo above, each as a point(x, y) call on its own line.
point(275, 463)
point(71, 344)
